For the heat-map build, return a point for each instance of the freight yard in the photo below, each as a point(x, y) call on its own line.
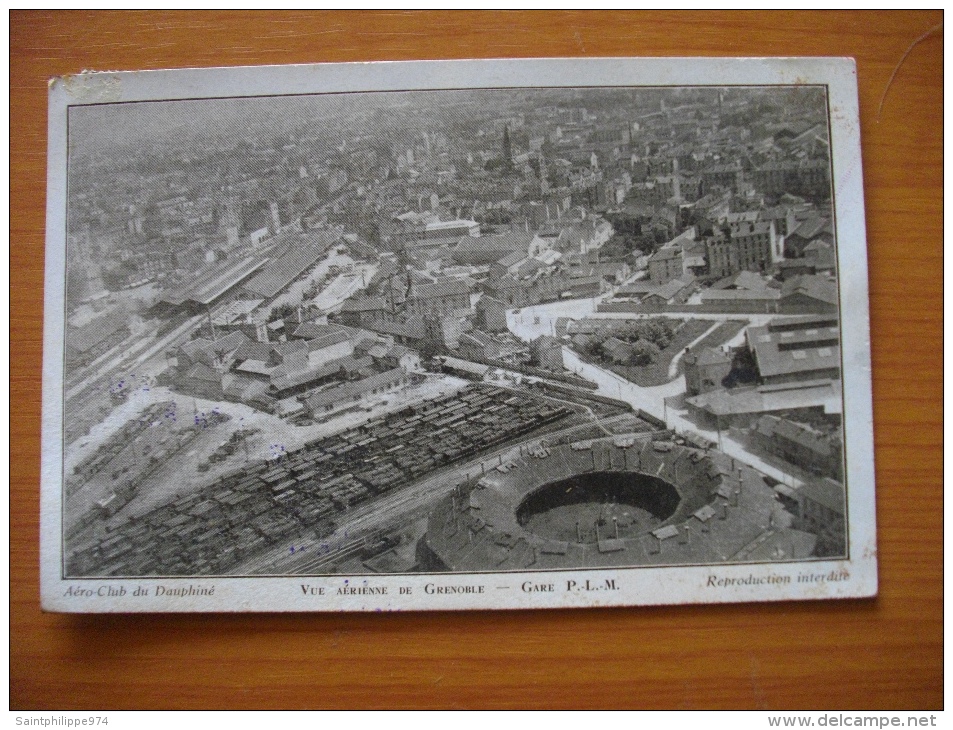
point(301, 493)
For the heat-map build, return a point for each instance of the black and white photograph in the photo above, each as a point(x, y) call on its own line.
point(456, 335)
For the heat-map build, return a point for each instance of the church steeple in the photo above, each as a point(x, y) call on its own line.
point(543, 174)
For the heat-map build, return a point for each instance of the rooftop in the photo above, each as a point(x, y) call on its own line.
point(826, 492)
point(349, 390)
point(297, 258)
point(797, 351)
point(734, 295)
point(798, 433)
point(814, 287)
point(824, 394)
point(446, 288)
point(211, 283)
point(444, 225)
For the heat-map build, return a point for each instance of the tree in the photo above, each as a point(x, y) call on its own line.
point(658, 331)
point(644, 353)
point(596, 340)
point(281, 312)
point(620, 245)
point(625, 224)
point(744, 369)
point(631, 331)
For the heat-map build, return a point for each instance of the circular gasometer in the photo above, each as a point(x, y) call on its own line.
point(586, 507)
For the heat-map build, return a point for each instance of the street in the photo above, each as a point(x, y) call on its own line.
point(531, 322)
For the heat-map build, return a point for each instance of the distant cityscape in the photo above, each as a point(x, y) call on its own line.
point(453, 331)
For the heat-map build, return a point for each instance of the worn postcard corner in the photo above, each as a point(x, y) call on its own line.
point(431, 335)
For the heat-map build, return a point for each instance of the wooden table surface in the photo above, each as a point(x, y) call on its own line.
point(883, 653)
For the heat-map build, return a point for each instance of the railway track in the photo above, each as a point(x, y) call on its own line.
point(388, 512)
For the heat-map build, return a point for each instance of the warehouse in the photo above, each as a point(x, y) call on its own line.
point(299, 256)
point(210, 285)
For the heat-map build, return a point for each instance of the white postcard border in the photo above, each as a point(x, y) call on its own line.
point(573, 588)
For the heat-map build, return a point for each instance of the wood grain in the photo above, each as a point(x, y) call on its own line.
point(883, 653)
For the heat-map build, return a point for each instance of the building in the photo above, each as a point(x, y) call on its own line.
point(755, 301)
point(328, 348)
point(438, 299)
point(238, 314)
point(808, 230)
point(211, 284)
point(213, 353)
point(580, 287)
point(509, 264)
point(442, 233)
point(394, 356)
point(676, 291)
point(284, 383)
point(668, 262)
point(444, 331)
point(757, 246)
point(726, 175)
point(618, 351)
point(347, 396)
point(745, 280)
point(810, 178)
point(741, 407)
point(547, 353)
point(484, 250)
point(490, 314)
point(299, 256)
point(314, 329)
point(412, 333)
point(821, 256)
point(722, 256)
point(201, 380)
point(790, 268)
point(806, 349)
point(738, 221)
point(463, 368)
point(751, 245)
point(85, 344)
point(799, 444)
point(510, 291)
point(477, 345)
point(807, 294)
point(359, 311)
point(635, 290)
point(705, 369)
point(819, 506)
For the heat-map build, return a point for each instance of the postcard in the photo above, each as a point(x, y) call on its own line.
point(456, 335)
